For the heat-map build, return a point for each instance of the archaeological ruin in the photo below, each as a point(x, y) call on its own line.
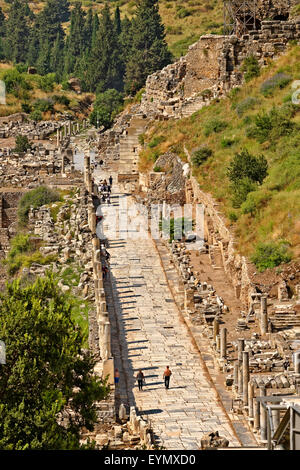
point(231, 336)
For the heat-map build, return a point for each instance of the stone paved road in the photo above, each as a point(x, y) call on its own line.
point(151, 336)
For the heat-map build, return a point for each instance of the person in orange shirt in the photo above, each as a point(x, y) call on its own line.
point(166, 376)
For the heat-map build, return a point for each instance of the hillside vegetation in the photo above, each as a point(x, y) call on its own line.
point(40, 96)
point(245, 151)
point(185, 20)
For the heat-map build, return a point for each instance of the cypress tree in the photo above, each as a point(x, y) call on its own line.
point(43, 60)
point(17, 33)
point(75, 40)
point(88, 30)
point(51, 18)
point(57, 56)
point(149, 51)
point(105, 68)
point(117, 21)
point(95, 29)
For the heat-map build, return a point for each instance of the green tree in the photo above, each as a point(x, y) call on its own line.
point(17, 33)
point(106, 106)
point(35, 198)
point(245, 165)
point(117, 21)
point(271, 254)
point(88, 30)
point(149, 51)
point(22, 144)
point(75, 41)
point(43, 60)
point(57, 56)
point(47, 387)
point(106, 66)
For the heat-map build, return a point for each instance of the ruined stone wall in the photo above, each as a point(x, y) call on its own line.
point(212, 67)
point(10, 201)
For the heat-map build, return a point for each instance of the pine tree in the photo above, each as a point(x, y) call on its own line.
point(17, 33)
point(75, 40)
point(57, 57)
point(88, 30)
point(43, 60)
point(149, 51)
point(50, 20)
point(106, 65)
point(33, 46)
point(96, 25)
point(117, 21)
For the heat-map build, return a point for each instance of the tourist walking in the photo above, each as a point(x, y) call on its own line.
point(117, 376)
point(167, 374)
point(140, 378)
point(110, 180)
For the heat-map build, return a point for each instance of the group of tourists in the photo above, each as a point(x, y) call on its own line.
point(104, 189)
point(141, 378)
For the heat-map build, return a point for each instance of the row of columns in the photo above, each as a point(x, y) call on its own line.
point(242, 384)
point(70, 128)
point(104, 326)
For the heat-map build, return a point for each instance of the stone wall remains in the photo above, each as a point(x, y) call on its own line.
point(212, 67)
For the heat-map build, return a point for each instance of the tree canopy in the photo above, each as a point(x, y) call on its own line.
point(47, 387)
point(104, 51)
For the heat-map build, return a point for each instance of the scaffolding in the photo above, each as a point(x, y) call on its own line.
point(240, 16)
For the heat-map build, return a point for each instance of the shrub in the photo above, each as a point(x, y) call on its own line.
point(46, 83)
point(201, 155)
point(227, 142)
point(26, 108)
point(15, 82)
point(157, 169)
point(36, 115)
point(241, 189)
point(245, 165)
point(232, 216)
point(65, 85)
point(61, 99)
point(214, 125)
point(280, 80)
point(254, 201)
point(138, 96)
point(270, 255)
point(156, 141)
point(22, 144)
point(246, 104)
point(43, 105)
point(183, 13)
point(206, 93)
point(250, 68)
point(272, 125)
point(35, 198)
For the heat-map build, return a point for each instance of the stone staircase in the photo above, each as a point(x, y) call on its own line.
point(129, 145)
point(285, 316)
point(191, 107)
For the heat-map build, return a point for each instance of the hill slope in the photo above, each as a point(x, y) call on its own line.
point(260, 118)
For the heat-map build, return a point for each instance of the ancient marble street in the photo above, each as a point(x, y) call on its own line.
point(153, 336)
